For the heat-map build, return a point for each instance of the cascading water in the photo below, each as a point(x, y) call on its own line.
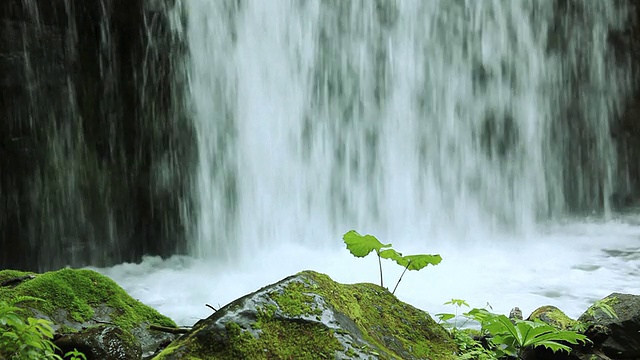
point(399, 118)
point(426, 123)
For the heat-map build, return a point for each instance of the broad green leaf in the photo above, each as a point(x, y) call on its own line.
point(554, 346)
point(457, 302)
point(390, 254)
point(531, 333)
point(480, 315)
point(417, 262)
point(500, 324)
point(362, 245)
point(445, 316)
point(507, 343)
point(571, 337)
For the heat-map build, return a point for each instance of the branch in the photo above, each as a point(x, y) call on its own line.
point(210, 307)
point(169, 330)
point(17, 280)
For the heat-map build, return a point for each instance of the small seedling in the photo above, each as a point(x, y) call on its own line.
point(458, 303)
point(363, 245)
point(75, 355)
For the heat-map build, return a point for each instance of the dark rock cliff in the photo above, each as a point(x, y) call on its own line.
point(626, 131)
point(89, 136)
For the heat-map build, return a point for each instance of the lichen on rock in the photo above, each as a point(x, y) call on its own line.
point(309, 316)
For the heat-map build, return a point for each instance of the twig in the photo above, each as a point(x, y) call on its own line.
point(211, 307)
point(104, 322)
point(168, 329)
point(17, 280)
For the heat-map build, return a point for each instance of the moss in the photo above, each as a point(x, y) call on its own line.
point(554, 317)
point(64, 329)
point(79, 292)
point(380, 316)
point(295, 301)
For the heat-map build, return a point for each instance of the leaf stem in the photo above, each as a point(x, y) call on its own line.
point(401, 275)
point(380, 264)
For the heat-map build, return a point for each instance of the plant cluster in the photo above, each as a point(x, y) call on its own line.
point(506, 337)
point(24, 337)
point(363, 245)
point(503, 337)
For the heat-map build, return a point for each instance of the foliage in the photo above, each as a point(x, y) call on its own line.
point(24, 337)
point(469, 348)
point(458, 303)
point(512, 337)
point(602, 306)
point(75, 355)
point(363, 245)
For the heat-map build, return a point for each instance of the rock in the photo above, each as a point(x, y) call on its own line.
point(552, 316)
point(515, 314)
point(75, 300)
point(309, 316)
point(103, 342)
point(623, 340)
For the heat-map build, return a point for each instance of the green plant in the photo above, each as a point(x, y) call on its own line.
point(75, 355)
point(458, 303)
point(469, 348)
point(512, 337)
point(363, 245)
point(602, 306)
point(23, 337)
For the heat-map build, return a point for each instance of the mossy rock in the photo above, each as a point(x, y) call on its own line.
point(74, 299)
point(553, 316)
point(309, 316)
point(618, 336)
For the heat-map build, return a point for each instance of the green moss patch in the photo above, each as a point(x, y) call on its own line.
point(79, 292)
point(296, 300)
point(554, 317)
point(389, 324)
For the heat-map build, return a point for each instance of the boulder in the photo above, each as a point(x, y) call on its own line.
point(105, 342)
point(78, 300)
point(619, 338)
point(552, 316)
point(309, 316)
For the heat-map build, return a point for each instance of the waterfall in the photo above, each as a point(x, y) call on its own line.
point(411, 119)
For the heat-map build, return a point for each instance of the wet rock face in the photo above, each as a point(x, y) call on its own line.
point(626, 131)
point(102, 342)
point(308, 316)
point(617, 337)
point(86, 157)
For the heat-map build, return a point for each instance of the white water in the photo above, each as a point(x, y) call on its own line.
point(566, 267)
point(435, 125)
